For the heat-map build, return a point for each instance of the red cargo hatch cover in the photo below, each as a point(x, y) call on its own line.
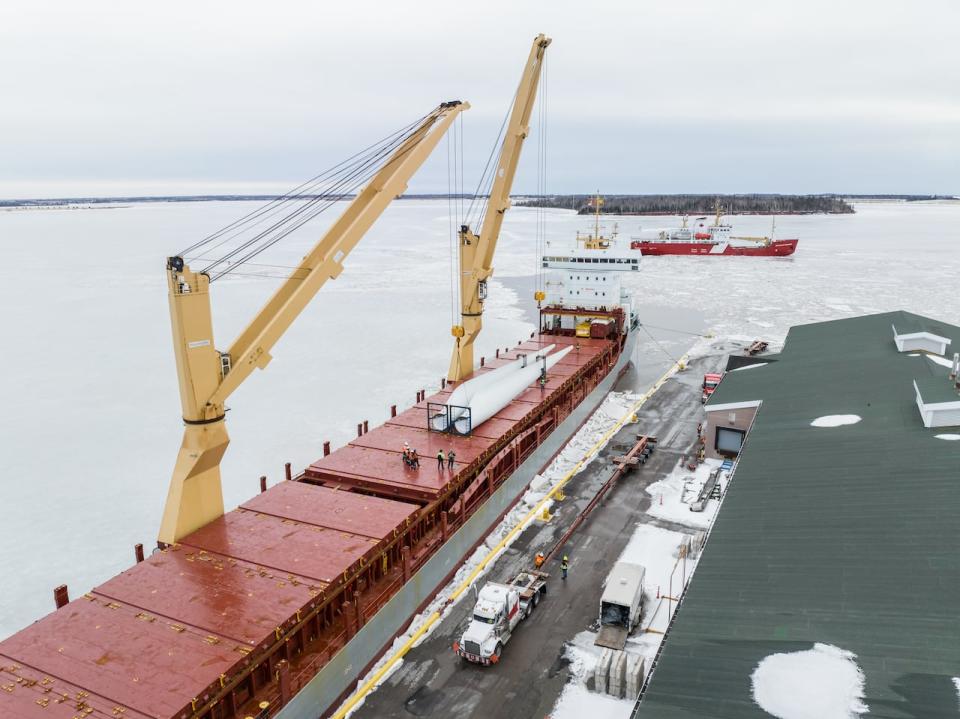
point(325, 507)
point(299, 549)
point(217, 594)
point(148, 663)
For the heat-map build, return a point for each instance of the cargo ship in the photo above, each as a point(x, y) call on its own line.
point(276, 608)
point(716, 240)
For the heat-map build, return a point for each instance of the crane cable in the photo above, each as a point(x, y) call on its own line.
point(309, 199)
point(485, 183)
point(451, 229)
point(299, 192)
point(344, 187)
point(541, 217)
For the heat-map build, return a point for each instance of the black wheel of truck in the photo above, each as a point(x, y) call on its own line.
point(497, 649)
point(536, 597)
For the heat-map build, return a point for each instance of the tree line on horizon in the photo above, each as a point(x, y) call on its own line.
point(696, 204)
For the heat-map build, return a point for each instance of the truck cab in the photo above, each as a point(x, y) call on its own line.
point(498, 611)
point(710, 382)
point(496, 614)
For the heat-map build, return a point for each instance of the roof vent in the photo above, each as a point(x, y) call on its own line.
point(921, 341)
point(939, 404)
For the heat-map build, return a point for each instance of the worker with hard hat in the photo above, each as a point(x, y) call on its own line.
point(564, 566)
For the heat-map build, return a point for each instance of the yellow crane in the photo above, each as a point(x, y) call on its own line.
point(476, 250)
point(762, 240)
point(207, 377)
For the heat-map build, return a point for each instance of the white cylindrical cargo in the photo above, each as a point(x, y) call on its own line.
point(464, 393)
point(492, 399)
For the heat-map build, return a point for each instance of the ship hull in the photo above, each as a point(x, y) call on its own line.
point(338, 678)
point(777, 248)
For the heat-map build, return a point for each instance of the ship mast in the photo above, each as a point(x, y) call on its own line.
point(596, 215)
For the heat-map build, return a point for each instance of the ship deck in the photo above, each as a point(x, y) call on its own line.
point(206, 627)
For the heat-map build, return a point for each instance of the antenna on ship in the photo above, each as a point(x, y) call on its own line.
point(596, 213)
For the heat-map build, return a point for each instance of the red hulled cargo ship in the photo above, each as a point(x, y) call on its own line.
point(274, 609)
point(253, 606)
point(716, 240)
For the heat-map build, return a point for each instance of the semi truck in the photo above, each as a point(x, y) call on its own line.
point(620, 605)
point(499, 609)
point(710, 382)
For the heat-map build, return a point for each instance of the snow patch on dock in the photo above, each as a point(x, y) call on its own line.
point(671, 496)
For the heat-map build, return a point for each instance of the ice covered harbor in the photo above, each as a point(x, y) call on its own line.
point(117, 460)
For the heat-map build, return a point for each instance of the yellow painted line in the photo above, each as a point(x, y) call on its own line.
point(362, 692)
point(371, 683)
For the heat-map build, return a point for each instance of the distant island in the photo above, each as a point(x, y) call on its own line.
point(613, 204)
point(697, 204)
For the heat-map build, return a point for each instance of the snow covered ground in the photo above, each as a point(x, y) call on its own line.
point(669, 558)
point(578, 702)
point(90, 425)
point(672, 495)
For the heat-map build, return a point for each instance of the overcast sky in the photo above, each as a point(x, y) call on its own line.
point(682, 96)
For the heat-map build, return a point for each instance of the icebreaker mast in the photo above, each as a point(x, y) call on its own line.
point(476, 251)
point(207, 377)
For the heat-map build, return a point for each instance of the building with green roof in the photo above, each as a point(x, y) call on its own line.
point(844, 534)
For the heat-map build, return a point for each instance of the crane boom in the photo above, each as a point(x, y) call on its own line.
point(476, 251)
point(207, 377)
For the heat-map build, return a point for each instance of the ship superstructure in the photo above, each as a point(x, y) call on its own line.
point(584, 285)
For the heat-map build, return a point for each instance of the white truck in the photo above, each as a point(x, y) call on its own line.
point(620, 604)
point(498, 611)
